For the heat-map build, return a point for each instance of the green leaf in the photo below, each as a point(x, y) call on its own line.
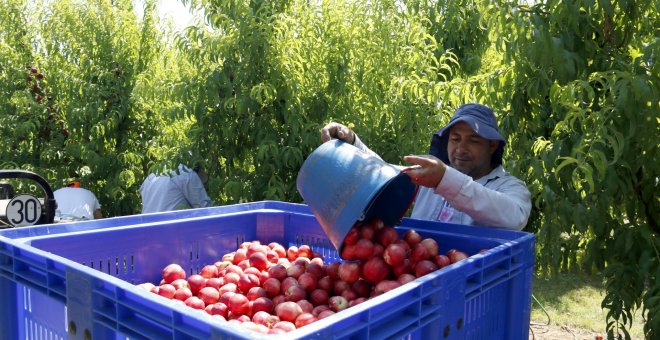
point(629, 241)
point(606, 5)
point(566, 161)
point(599, 161)
point(616, 142)
point(634, 53)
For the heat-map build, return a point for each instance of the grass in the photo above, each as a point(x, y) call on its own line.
point(573, 301)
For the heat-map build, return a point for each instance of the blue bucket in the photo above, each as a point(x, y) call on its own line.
point(343, 185)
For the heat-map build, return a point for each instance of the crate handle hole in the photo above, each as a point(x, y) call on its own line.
point(72, 328)
point(446, 332)
point(459, 324)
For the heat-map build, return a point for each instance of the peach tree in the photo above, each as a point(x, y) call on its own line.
point(272, 73)
point(580, 84)
point(84, 93)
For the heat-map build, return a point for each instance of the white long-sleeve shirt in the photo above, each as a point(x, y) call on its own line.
point(174, 191)
point(497, 200)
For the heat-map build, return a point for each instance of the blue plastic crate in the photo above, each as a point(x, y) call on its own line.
point(78, 280)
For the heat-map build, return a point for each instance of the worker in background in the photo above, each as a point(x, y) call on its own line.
point(175, 190)
point(76, 203)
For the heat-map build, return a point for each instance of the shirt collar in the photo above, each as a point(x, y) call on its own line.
point(493, 175)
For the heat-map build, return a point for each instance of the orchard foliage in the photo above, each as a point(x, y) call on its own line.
point(84, 93)
point(274, 72)
point(574, 83)
point(582, 87)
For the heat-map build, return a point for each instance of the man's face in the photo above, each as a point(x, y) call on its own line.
point(468, 152)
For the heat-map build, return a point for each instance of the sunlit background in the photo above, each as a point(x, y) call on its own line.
point(169, 10)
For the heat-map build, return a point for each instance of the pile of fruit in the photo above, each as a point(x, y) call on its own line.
point(273, 290)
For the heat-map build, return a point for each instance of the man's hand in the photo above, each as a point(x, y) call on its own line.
point(337, 131)
point(428, 172)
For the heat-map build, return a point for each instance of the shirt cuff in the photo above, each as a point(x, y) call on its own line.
point(451, 183)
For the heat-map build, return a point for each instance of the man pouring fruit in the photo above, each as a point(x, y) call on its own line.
point(462, 179)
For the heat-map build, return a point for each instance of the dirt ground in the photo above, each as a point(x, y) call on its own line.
point(555, 332)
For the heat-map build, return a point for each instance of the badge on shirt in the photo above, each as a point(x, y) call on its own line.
point(446, 213)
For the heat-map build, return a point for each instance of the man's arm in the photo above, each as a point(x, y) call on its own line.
point(507, 207)
point(96, 213)
point(343, 133)
point(194, 191)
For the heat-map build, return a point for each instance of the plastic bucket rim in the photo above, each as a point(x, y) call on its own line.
point(373, 199)
point(338, 218)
